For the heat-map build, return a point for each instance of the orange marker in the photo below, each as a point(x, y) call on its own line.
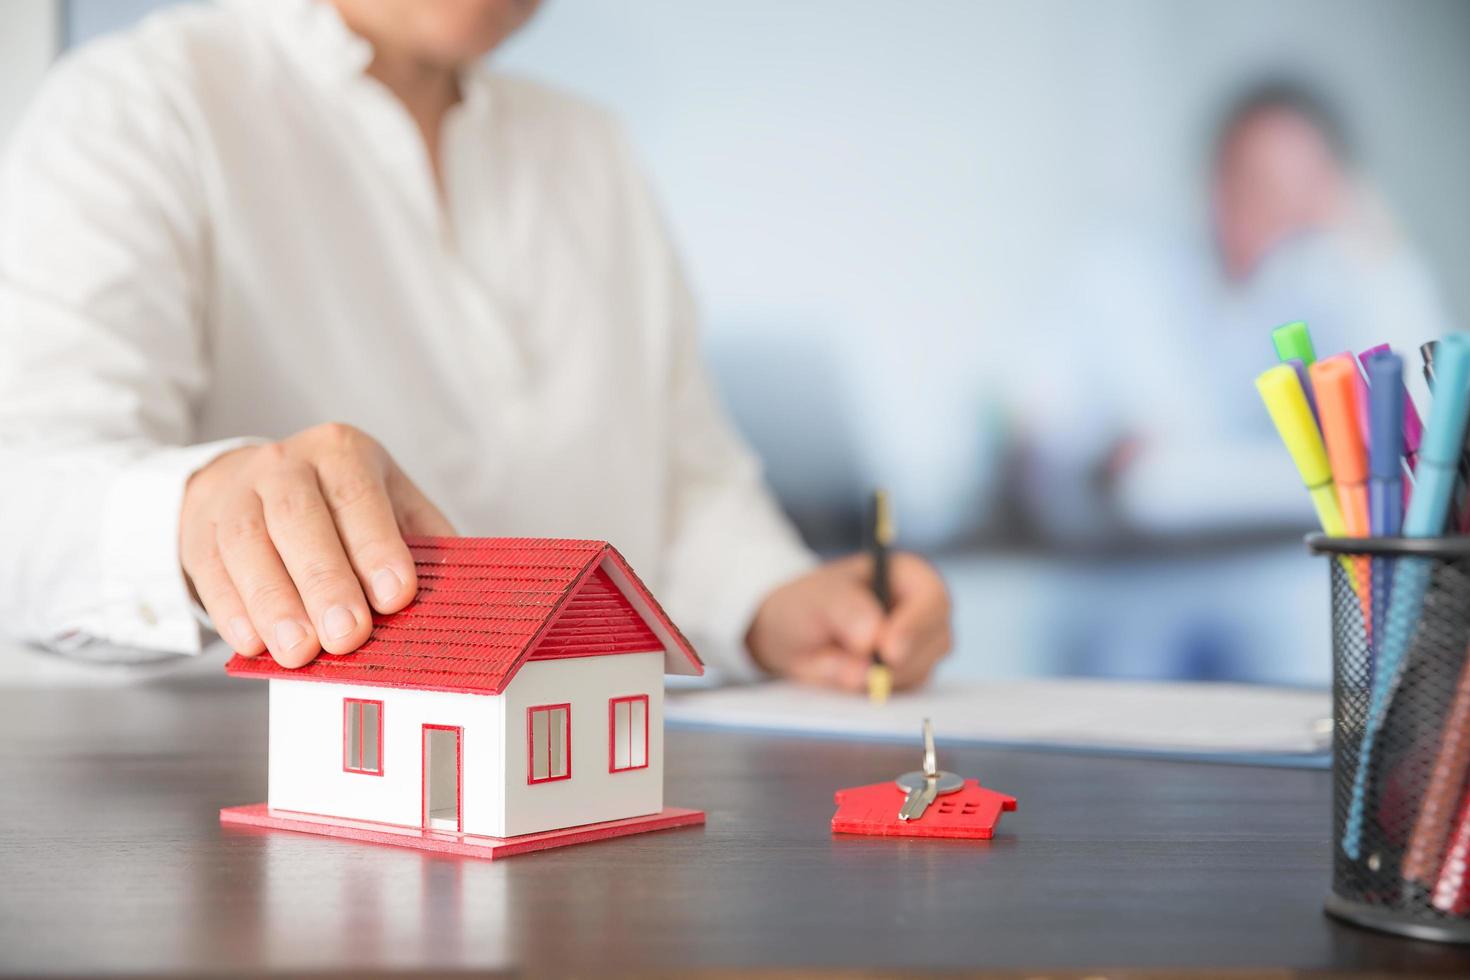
point(1336, 383)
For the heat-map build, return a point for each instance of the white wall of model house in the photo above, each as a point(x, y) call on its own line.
point(306, 748)
point(306, 772)
point(592, 793)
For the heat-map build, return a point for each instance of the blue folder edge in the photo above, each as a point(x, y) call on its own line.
point(1276, 760)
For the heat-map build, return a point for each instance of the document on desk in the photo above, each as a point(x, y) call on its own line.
point(1229, 722)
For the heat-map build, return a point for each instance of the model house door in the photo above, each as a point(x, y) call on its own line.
point(443, 778)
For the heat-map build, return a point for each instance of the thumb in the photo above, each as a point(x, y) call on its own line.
point(830, 667)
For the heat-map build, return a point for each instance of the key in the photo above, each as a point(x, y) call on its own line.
point(924, 785)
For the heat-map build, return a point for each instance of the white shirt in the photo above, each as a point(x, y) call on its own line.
point(216, 227)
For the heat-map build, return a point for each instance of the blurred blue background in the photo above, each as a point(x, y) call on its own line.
point(975, 252)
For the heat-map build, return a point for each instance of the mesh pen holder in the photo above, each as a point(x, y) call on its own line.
point(1401, 734)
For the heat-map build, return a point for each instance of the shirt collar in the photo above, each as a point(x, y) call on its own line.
point(315, 34)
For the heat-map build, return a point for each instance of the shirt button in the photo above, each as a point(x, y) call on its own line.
point(146, 612)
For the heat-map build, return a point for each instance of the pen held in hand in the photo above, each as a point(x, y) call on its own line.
point(880, 680)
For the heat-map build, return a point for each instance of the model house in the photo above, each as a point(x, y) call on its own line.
point(520, 694)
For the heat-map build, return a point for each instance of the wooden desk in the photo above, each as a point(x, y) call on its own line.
point(111, 858)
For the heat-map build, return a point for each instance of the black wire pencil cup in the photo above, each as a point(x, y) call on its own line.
point(1401, 823)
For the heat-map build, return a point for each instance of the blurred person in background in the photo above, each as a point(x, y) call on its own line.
point(281, 282)
point(1149, 423)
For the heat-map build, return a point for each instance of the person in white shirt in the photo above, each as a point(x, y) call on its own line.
point(262, 262)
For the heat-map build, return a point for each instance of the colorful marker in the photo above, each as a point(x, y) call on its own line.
point(1338, 397)
point(1342, 406)
point(1339, 403)
point(1386, 443)
point(1287, 404)
point(1439, 458)
point(1385, 468)
point(1462, 485)
point(1293, 341)
point(1413, 427)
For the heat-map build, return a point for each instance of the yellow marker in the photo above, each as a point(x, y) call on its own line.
point(880, 681)
point(1287, 403)
point(1282, 392)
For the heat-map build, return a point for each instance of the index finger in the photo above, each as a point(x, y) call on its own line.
point(918, 626)
point(357, 496)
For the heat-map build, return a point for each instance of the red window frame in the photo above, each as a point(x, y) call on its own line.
point(346, 715)
point(531, 742)
point(612, 733)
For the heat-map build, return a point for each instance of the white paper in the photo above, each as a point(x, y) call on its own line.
point(1195, 718)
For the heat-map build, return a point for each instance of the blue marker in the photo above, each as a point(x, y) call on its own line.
point(1429, 509)
point(1386, 444)
point(1385, 468)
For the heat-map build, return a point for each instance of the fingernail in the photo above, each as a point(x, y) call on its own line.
point(242, 634)
point(338, 622)
point(386, 585)
point(288, 634)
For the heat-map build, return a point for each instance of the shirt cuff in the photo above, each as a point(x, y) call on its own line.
point(753, 575)
point(145, 596)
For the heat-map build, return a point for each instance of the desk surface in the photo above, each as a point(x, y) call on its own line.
point(112, 858)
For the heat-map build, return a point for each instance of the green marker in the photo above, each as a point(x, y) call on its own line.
point(1293, 342)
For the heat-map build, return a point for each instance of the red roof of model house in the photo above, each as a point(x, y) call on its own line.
point(485, 606)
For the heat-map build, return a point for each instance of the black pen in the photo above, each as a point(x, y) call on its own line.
point(880, 681)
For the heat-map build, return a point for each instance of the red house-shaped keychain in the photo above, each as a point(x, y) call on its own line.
point(972, 812)
point(925, 803)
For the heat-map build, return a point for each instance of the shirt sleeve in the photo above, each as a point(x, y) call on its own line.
point(727, 542)
point(103, 264)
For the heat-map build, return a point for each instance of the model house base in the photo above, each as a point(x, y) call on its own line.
point(466, 845)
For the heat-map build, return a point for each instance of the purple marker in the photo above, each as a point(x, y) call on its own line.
point(1413, 427)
